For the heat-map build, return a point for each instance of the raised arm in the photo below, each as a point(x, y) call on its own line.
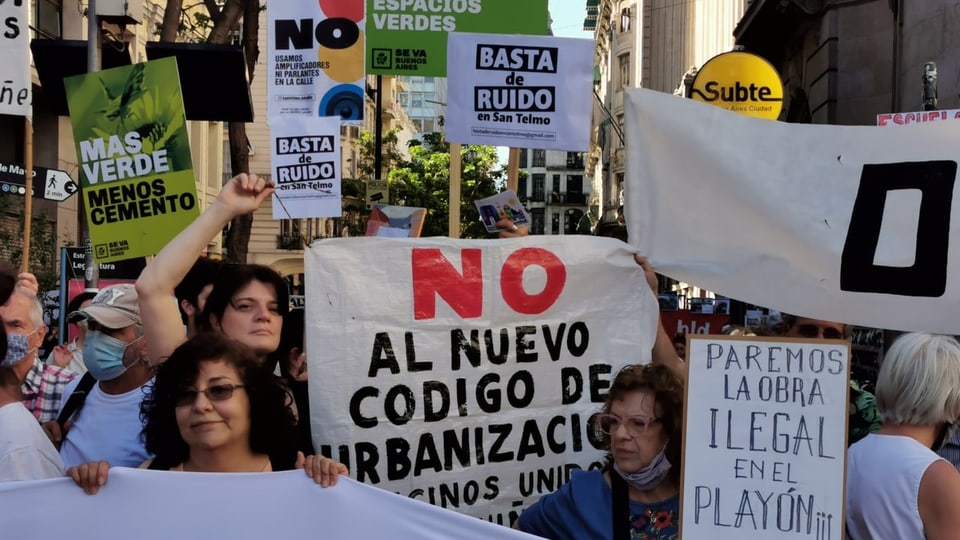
point(663, 351)
point(158, 308)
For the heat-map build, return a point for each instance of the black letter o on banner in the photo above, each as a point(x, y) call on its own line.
point(326, 33)
point(928, 275)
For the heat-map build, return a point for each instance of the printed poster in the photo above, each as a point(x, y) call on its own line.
point(409, 37)
point(520, 91)
point(464, 373)
point(15, 81)
point(306, 167)
point(136, 174)
point(765, 439)
point(855, 224)
point(315, 54)
point(505, 204)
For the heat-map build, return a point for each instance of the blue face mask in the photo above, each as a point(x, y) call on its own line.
point(17, 347)
point(103, 355)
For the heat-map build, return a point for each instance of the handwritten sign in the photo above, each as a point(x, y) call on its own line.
point(765, 439)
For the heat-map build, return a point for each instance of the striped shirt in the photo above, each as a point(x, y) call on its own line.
point(43, 388)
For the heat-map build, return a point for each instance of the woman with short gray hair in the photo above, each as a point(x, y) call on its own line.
point(897, 486)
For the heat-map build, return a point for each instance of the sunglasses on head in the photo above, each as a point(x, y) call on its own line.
point(218, 392)
point(813, 331)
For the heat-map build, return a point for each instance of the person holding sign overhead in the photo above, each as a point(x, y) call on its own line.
point(897, 486)
point(637, 494)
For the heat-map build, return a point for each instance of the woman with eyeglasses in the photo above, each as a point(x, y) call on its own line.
point(214, 407)
point(637, 494)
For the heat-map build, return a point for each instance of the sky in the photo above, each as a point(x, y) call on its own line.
point(568, 18)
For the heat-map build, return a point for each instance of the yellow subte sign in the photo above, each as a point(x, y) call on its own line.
point(740, 82)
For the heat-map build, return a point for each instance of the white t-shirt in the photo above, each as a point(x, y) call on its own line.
point(25, 451)
point(107, 428)
point(883, 487)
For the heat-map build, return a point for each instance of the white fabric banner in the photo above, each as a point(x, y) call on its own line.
point(305, 158)
point(464, 372)
point(159, 505)
point(844, 223)
point(520, 91)
point(315, 59)
point(15, 83)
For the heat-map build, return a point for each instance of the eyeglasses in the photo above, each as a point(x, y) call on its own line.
point(219, 392)
point(813, 331)
point(609, 423)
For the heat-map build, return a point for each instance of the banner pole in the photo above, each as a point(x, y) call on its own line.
point(91, 276)
point(513, 170)
point(454, 203)
point(28, 195)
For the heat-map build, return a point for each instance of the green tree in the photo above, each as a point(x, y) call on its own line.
point(43, 241)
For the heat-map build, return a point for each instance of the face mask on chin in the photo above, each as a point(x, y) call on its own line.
point(650, 476)
point(18, 346)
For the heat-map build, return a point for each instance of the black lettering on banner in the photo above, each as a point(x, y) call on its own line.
point(383, 355)
point(571, 384)
point(333, 33)
point(517, 58)
point(430, 414)
point(514, 98)
point(398, 418)
point(358, 419)
point(928, 275)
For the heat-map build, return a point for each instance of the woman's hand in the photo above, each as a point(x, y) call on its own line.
point(90, 476)
point(510, 230)
point(324, 470)
point(244, 193)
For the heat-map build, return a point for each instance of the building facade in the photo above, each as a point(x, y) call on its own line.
point(649, 44)
point(553, 191)
point(425, 100)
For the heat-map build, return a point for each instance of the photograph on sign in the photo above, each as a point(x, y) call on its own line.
point(520, 91)
point(464, 373)
point(765, 438)
point(315, 55)
point(305, 157)
point(15, 82)
point(409, 37)
point(136, 172)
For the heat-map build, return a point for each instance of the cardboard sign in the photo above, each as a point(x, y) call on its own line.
point(306, 167)
point(136, 172)
point(15, 83)
point(765, 439)
point(523, 91)
point(315, 59)
point(464, 373)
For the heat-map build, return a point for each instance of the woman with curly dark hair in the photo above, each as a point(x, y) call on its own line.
point(214, 407)
point(637, 493)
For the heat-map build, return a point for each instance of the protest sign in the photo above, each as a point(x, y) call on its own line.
point(409, 37)
point(526, 91)
point(136, 173)
point(503, 205)
point(315, 59)
point(852, 224)
point(15, 83)
point(765, 439)
point(464, 372)
point(904, 118)
point(306, 167)
point(197, 504)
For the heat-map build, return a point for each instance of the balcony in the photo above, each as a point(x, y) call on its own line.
point(568, 198)
point(290, 241)
point(575, 160)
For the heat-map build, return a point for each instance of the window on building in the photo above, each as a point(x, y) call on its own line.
point(624, 60)
point(625, 20)
point(555, 223)
point(572, 219)
point(539, 181)
point(522, 188)
point(575, 183)
point(575, 160)
point(556, 183)
point(620, 125)
point(404, 100)
point(523, 158)
point(536, 218)
point(47, 19)
point(539, 158)
point(416, 103)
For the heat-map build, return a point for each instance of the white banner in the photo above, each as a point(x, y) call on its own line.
point(520, 91)
point(315, 59)
point(765, 439)
point(464, 372)
point(904, 118)
point(157, 505)
point(15, 83)
point(305, 158)
point(844, 223)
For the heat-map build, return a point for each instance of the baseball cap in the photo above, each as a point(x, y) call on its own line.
point(114, 307)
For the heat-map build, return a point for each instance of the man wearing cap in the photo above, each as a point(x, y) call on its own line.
point(107, 426)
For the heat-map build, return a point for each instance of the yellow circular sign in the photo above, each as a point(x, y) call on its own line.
point(740, 82)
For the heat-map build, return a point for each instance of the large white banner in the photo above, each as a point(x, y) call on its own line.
point(15, 83)
point(464, 373)
point(158, 505)
point(765, 439)
point(305, 157)
point(845, 223)
point(521, 91)
point(315, 59)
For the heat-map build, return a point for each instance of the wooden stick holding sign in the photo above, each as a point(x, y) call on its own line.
point(456, 166)
point(513, 170)
point(28, 194)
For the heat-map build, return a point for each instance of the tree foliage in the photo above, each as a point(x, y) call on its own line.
point(43, 241)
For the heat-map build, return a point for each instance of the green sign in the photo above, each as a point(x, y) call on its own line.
point(136, 176)
point(409, 37)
